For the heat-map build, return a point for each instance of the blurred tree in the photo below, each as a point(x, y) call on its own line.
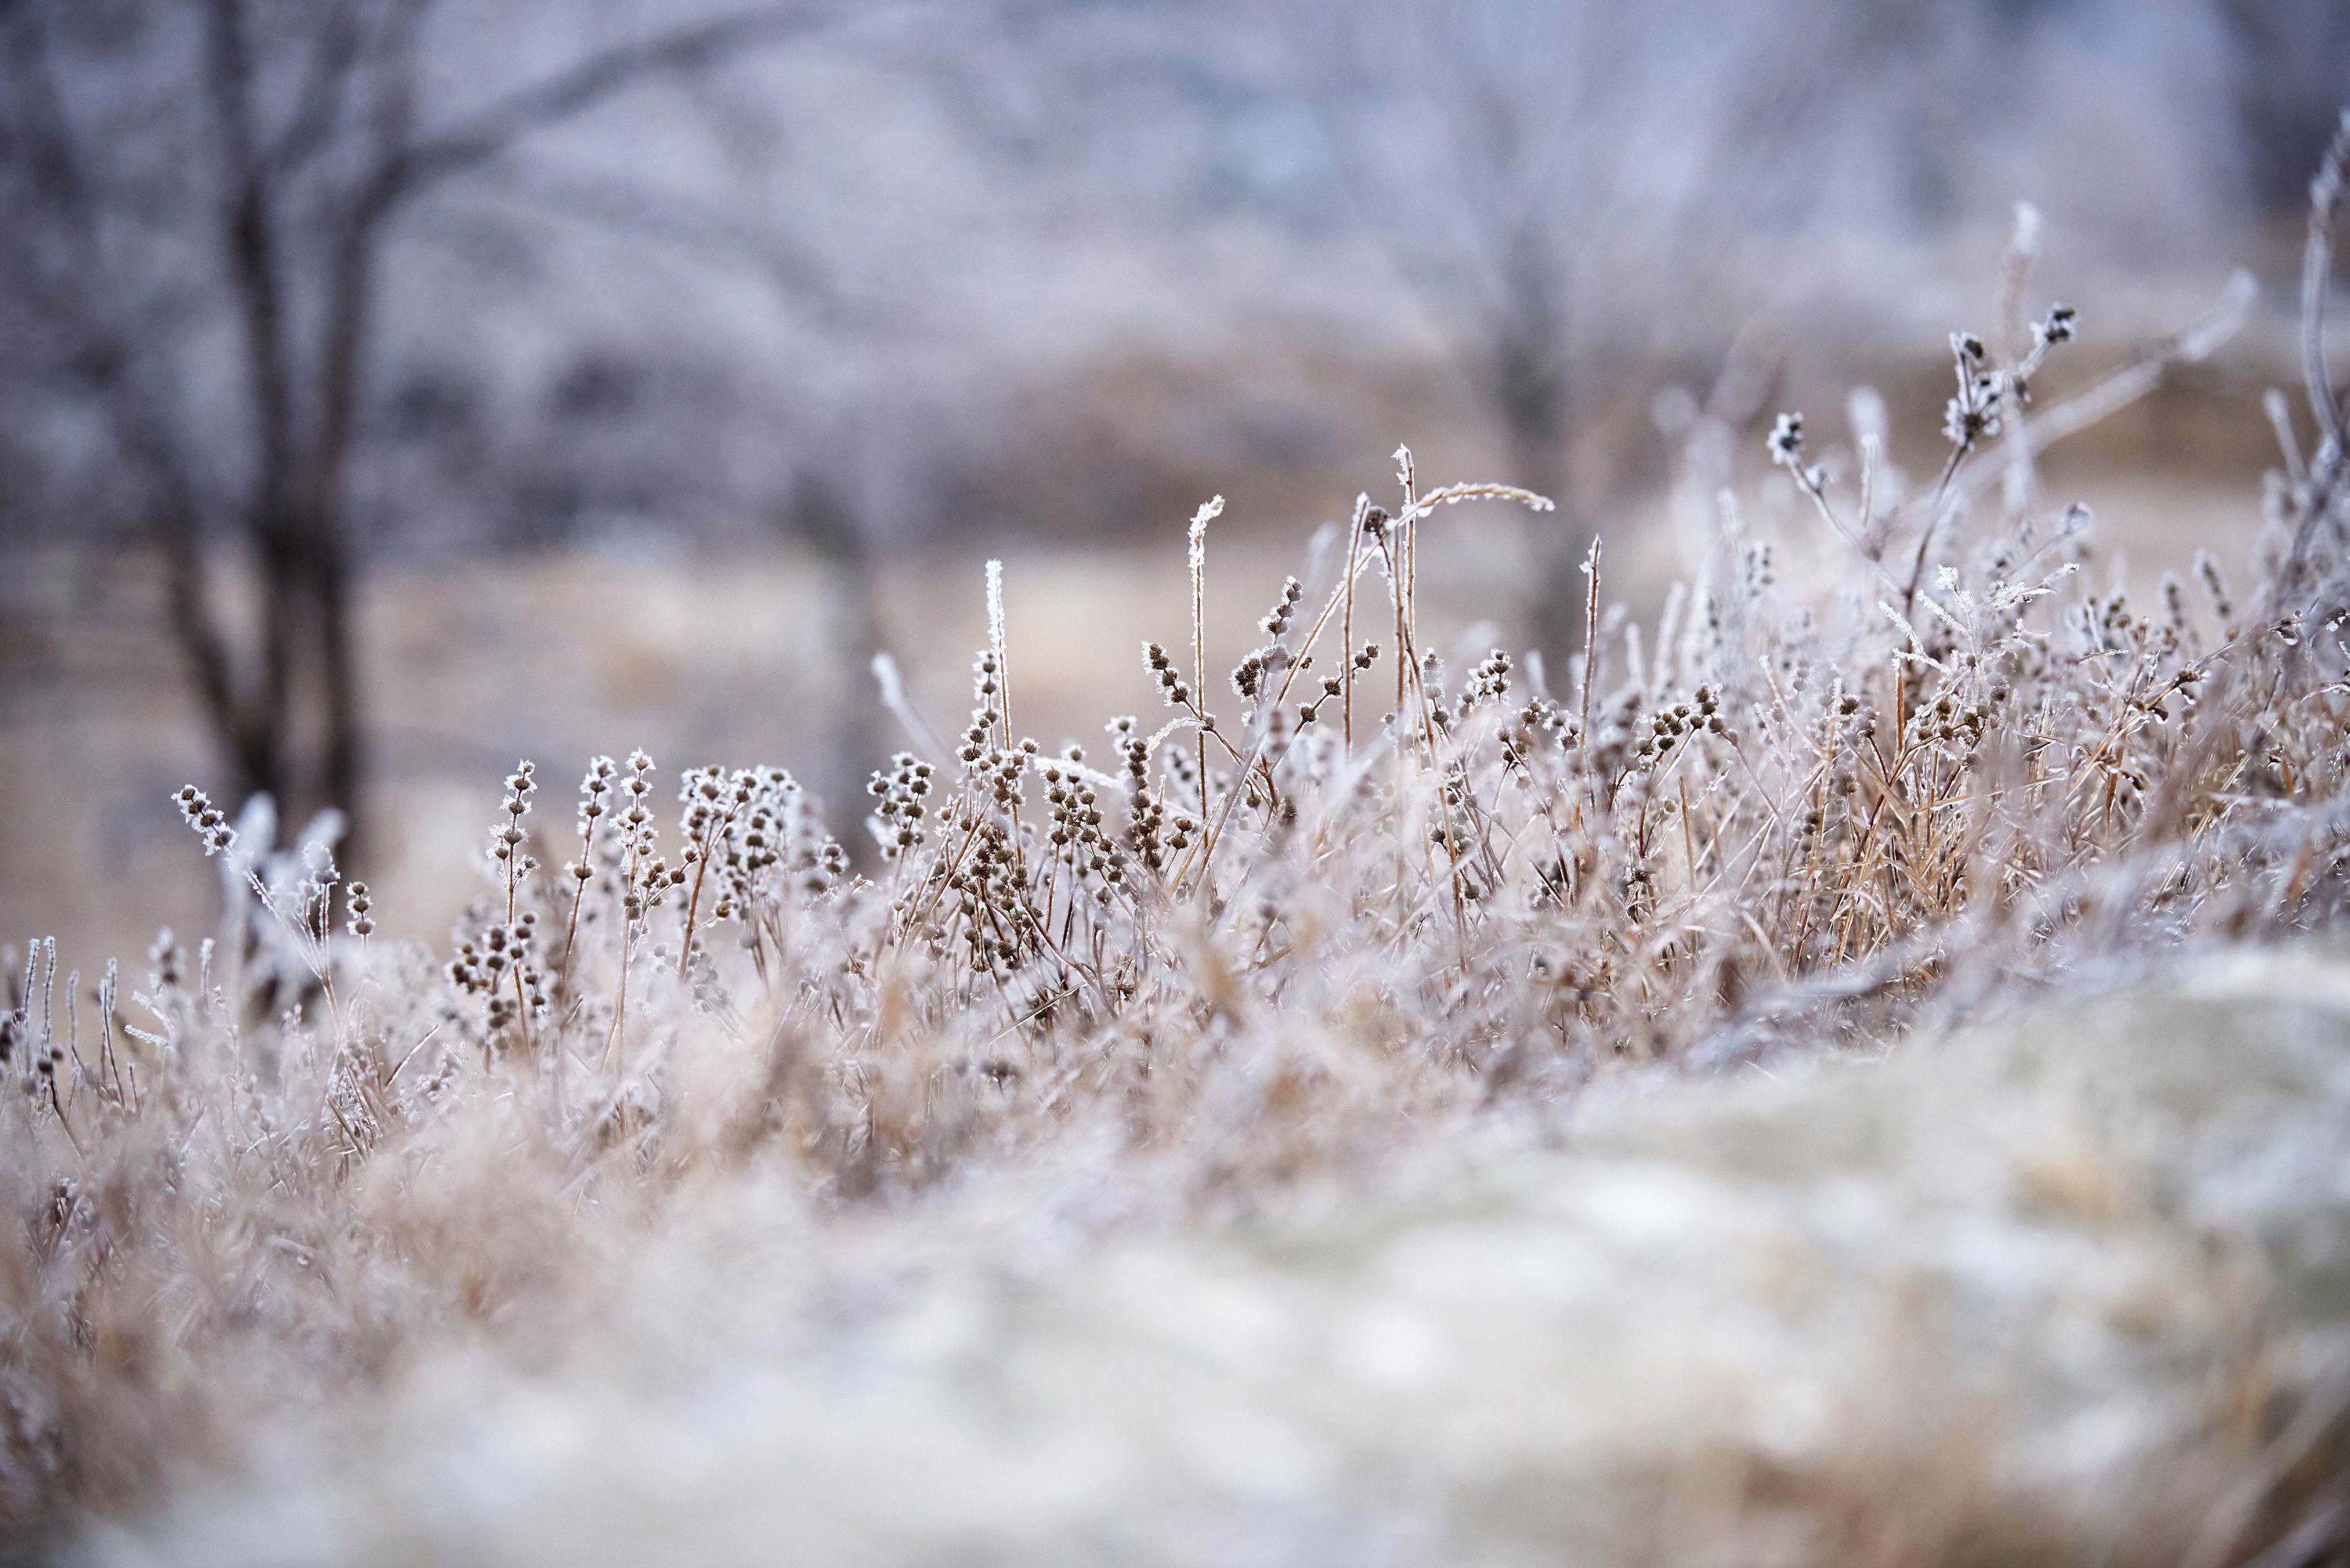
point(279, 273)
point(1563, 180)
point(2293, 76)
point(201, 194)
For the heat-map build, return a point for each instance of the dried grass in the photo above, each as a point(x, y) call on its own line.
point(1247, 950)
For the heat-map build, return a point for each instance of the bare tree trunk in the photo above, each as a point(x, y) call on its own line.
point(308, 187)
point(342, 376)
point(253, 263)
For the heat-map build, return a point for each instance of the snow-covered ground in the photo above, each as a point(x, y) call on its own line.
point(2072, 1285)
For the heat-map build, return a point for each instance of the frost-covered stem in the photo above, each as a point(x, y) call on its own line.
point(1196, 555)
point(578, 893)
point(996, 643)
point(715, 835)
point(522, 998)
point(627, 946)
point(1934, 518)
point(1590, 658)
point(2316, 271)
point(692, 908)
point(1346, 625)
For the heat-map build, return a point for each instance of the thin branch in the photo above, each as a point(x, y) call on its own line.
point(592, 81)
point(325, 93)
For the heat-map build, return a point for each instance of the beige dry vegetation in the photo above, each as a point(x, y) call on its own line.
point(713, 1198)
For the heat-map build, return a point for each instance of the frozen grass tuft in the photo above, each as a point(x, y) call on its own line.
point(1375, 907)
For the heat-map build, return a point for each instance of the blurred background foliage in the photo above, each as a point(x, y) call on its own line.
point(392, 387)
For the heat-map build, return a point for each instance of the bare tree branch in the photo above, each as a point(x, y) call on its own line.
point(258, 157)
point(595, 80)
point(616, 204)
point(323, 95)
